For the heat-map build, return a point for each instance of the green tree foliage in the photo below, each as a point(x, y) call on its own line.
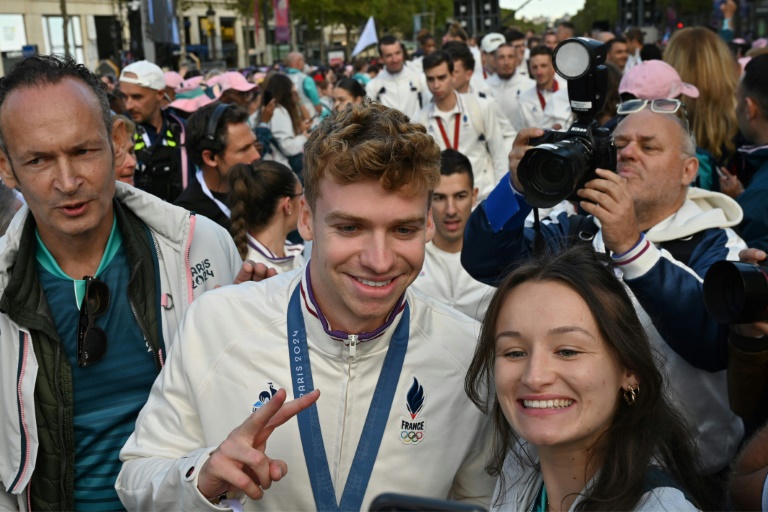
point(509, 20)
point(595, 10)
point(392, 16)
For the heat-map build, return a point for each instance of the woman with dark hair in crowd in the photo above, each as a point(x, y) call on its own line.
point(264, 203)
point(288, 129)
point(580, 414)
point(347, 90)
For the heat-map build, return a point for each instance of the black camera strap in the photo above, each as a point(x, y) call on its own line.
point(538, 239)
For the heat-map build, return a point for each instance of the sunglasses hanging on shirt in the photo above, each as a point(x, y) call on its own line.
point(92, 339)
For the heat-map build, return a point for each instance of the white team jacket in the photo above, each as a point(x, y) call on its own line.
point(234, 349)
point(507, 92)
point(194, 255)
point(557, 110)
point(400, 91)
point(487, 150)
point(444, 279)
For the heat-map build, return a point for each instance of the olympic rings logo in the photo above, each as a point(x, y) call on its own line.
point(409, 436)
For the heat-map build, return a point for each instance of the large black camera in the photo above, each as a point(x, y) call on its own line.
point(562, 162)
point(736, 293)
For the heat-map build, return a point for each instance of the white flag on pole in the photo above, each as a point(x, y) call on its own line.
point(367, 38)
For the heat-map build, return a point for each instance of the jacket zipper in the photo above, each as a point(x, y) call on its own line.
point(23, 422)
point(144, 333)
point(157, 245)
point(352, 342)
point(190, 292)
point(57, 380)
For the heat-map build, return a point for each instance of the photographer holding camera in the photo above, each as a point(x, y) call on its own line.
point(661, 233)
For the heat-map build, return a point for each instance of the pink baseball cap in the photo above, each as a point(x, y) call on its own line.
point(173, 79)
point(194, 99)
point(232, 80)
point(190, 84)
point(654, 80)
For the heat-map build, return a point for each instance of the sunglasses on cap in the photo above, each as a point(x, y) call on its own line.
point(92, 339)
point(661, 106)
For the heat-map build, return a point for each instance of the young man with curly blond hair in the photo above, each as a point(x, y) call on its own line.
point(390, 362)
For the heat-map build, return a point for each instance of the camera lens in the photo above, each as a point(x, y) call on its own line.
point(553, 175)
point(736, 293)
point(549, 173)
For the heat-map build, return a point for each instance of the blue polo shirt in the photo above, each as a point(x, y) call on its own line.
point(108, 394)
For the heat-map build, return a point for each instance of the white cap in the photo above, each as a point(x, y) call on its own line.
point(147, 75)
point(492, 41)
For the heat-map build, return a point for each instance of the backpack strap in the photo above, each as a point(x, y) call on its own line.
point(183, 149)
point(656, 477)
point(582, 228)
point(682, 248)
point(474, 114)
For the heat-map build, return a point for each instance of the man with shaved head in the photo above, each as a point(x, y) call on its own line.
point(305, 86)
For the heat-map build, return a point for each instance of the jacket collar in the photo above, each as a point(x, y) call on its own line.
point(334, 342)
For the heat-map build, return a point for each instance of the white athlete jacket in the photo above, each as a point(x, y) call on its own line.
point(404, 91)
point(444, 279)
point(531, 114)
point(507, 92)
point(481, 137)
point(233, 354)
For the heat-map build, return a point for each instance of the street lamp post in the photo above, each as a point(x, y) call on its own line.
point(211, 15)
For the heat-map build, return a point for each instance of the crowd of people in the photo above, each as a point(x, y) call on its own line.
point(183, 253)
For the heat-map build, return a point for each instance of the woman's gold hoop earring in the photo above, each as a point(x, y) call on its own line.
point(630, 394)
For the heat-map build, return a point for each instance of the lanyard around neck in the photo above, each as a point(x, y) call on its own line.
point(457, 123)
point(541, 96)
point(309, 420)
point(207, 192)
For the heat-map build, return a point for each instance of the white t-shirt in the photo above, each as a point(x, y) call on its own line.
point(444, 279)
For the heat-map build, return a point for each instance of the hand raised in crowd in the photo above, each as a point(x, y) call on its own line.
point(730, 184)
point(239, 463)
point(519, 147)
point(267, 111)
point(728, 8)
point(609, 200)
point(251, 271)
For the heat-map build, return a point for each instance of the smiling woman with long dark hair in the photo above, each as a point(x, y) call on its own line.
point(580, 414)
